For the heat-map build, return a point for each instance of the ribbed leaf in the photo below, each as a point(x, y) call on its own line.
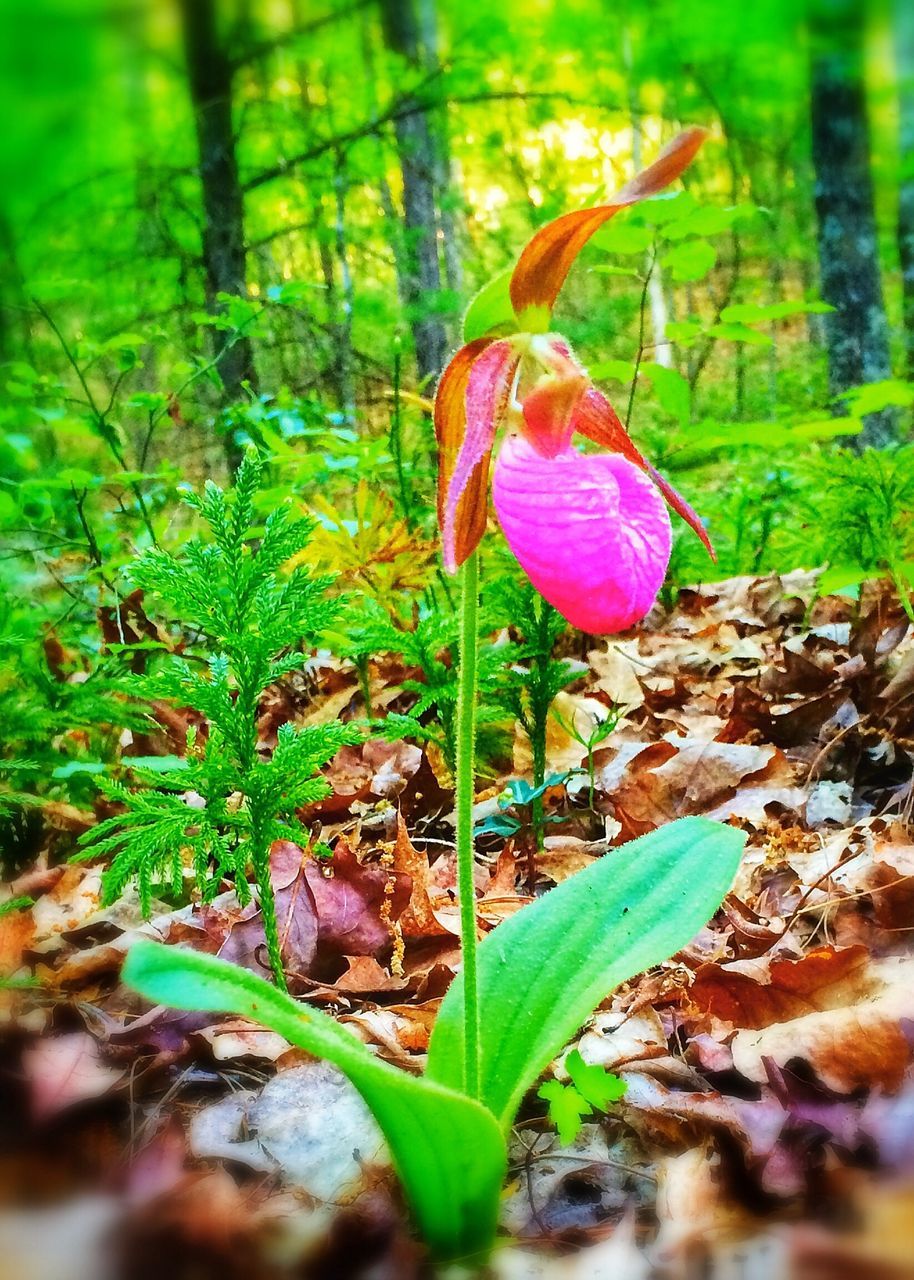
point(447, 1149)
point(543, 971)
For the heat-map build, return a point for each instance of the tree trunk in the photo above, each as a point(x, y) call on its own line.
point(904, 43)
point(12, 286)
point(662, 350)
point(343, 323)
point(209, 74)
point(416, 151)
point(443, 175)
point(856, 331)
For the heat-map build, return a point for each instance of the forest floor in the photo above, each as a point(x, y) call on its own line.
point(768, 1124)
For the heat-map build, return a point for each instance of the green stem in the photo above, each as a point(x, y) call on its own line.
point(539, 777)
point(396, 442)
point(363, 670)
point(466, 744)
point(261, 861)
point(541, 704)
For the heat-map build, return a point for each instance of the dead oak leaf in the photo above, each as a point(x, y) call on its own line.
point(672, 778)
point(419, 919)
point(326, 910)
point(863, 1045)
point(238, 1038)
point(758, 992)
point(355, 903)
point(63, 1071)
point(364, 976)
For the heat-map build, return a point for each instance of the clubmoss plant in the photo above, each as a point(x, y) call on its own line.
point(534, 680)
point(429, 642)
point(865, 517)
point(226, 802)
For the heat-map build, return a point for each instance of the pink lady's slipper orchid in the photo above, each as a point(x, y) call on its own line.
point(591, 531)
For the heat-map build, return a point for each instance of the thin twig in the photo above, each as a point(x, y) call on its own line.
point(641, 327)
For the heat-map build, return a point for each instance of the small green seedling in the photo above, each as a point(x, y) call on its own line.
point(517, 817)
point(600, 731)
point(592, 1088)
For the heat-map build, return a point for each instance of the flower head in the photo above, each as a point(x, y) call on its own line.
point(591, 531)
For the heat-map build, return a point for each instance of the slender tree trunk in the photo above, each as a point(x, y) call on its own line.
point(857, 334)
point(443, 169)
point(662, 351)
point(331, 236)
point(392, 220)
point(904, 43)
point(343, 325)
point(417, 164)
point(209, 74)
point(12, 297)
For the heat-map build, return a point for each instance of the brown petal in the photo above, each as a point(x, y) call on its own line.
point(547, 258)
point(598, 421)
point(472, 396)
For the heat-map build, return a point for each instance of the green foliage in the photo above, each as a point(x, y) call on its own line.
point(225, 805)
point(515, 807)
point(598, 733)
point(592, 1088)
point(536, 676)
point(429, 641)
point(22, 903)
point(865, 517)
point(62, 713)
point(542, 972)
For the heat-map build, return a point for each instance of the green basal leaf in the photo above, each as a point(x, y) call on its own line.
point(544, 971)
point(491, 312)
point(447, 1149)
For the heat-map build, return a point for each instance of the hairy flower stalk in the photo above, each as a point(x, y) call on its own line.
point(591, 531)
point(466, 751)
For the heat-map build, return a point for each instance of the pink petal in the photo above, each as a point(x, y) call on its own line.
point(591, 532)
point(488, 390)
